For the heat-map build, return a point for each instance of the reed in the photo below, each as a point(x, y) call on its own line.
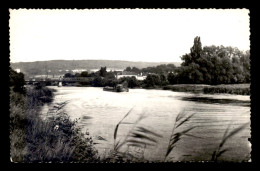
point(227, 135)
point(176, 135)
point(138, 136)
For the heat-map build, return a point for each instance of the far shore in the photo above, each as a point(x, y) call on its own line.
point(239, 89)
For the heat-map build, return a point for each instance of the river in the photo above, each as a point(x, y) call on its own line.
point(154, 112)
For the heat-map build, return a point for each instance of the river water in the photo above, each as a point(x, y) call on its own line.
point(153, 113)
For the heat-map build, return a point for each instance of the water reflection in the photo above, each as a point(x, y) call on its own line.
point(211, 100)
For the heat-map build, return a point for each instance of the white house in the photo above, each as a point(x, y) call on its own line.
point(130, 74)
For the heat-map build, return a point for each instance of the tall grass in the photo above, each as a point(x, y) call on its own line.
point(138, 136)
point(227, 89)
point(240, 89)
point(227, 135)
point(142, 137)
point(55, 139)
point(176, 135)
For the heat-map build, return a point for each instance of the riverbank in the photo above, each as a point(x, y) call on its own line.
point(55, 139)
point(239, 89)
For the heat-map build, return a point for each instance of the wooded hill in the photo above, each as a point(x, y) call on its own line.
point(41, 67)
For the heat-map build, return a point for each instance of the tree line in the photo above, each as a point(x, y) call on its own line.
point(159, 69)
point(208, 65)
point(212, 65)
point(203, 65)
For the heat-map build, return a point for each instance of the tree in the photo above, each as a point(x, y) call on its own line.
point(128, 69)
point(163, 80)
point(68, 75)
point(160, 69)
point(195, 53)
point(110, 75)
point(132, 82)
point(213, 65)
point(98, 82)
point(136, 70)
point(17, 81)
point(152, 80)
point(77, 75)
point(171, 77)
point(84, 74)
point(103, 71)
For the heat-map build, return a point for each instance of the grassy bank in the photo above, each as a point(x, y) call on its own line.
point(240, 89)
point(55, 139)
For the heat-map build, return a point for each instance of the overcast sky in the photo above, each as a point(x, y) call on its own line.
point(133, 35)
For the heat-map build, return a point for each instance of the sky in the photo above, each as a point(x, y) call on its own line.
point(152, 35)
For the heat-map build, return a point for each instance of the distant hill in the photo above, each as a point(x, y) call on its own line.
point(55, 66)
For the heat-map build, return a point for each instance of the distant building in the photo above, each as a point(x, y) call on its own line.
point(94, 70)
point(130, 74)
point(114, 69)
point(78, 70)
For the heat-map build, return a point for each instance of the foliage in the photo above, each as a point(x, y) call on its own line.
point(154, 80)
point(132, 82)
point(159, 69)
point(55, 139)
point(213, 65)
point(69, 75)
point(84, 74)
point(103, 71)
point(17, 81)
point(171, 77)
point(98, 82)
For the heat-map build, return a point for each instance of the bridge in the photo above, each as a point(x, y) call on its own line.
point(68, 79)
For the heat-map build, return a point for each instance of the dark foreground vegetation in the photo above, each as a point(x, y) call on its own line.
point(55, 139)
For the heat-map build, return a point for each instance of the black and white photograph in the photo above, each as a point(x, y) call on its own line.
point(129, 85)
